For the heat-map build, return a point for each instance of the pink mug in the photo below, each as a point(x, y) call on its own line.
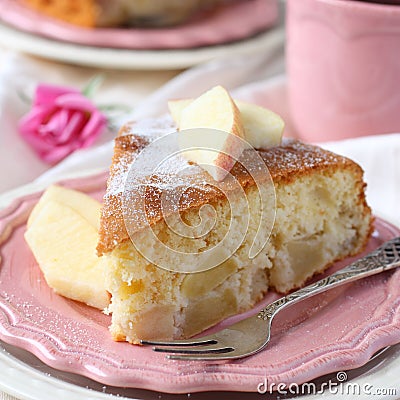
point(343, 66)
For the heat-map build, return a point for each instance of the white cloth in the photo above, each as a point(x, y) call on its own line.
point(380, 158)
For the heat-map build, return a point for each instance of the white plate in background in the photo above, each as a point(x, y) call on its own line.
point(124, 59)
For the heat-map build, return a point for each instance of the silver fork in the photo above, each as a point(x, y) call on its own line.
point(252, 334)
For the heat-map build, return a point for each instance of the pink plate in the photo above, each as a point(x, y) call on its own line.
point(339, 329)
point(238, 21)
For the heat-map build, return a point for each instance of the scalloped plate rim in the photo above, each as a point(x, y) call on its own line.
point(207, 381)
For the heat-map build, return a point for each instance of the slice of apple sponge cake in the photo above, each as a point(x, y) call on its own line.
point(321, 216)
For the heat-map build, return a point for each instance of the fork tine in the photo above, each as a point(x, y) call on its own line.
point(195, 350)
point(200, 357)
point(187, 342)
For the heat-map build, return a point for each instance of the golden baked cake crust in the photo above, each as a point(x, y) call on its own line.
point(77, 12)
point(286, 163)
point(111, 13)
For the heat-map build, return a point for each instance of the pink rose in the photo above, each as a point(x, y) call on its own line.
point(61, 121)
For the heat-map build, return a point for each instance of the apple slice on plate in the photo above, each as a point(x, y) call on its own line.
point(80, 202)
point(62, 235)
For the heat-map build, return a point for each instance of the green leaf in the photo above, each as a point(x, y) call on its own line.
point(91, 88)
point(24, 97)
point(118, 108)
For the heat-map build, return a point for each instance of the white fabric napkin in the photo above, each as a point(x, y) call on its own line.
point(380, 158)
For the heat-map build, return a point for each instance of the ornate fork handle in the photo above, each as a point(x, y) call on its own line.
point(384, 258)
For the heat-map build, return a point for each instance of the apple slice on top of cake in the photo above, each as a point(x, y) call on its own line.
point(318, 206)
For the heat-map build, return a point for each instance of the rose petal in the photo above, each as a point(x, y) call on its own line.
point(56, 125)
point(58, 153)
point(93, 128)
point(47, 94)
point(37, 143)
point(75, 101)
point(35, 117)
point(74, 127)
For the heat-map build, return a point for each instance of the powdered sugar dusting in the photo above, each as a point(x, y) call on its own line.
point(139, 176)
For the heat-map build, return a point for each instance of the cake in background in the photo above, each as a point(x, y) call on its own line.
point(106, 13)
